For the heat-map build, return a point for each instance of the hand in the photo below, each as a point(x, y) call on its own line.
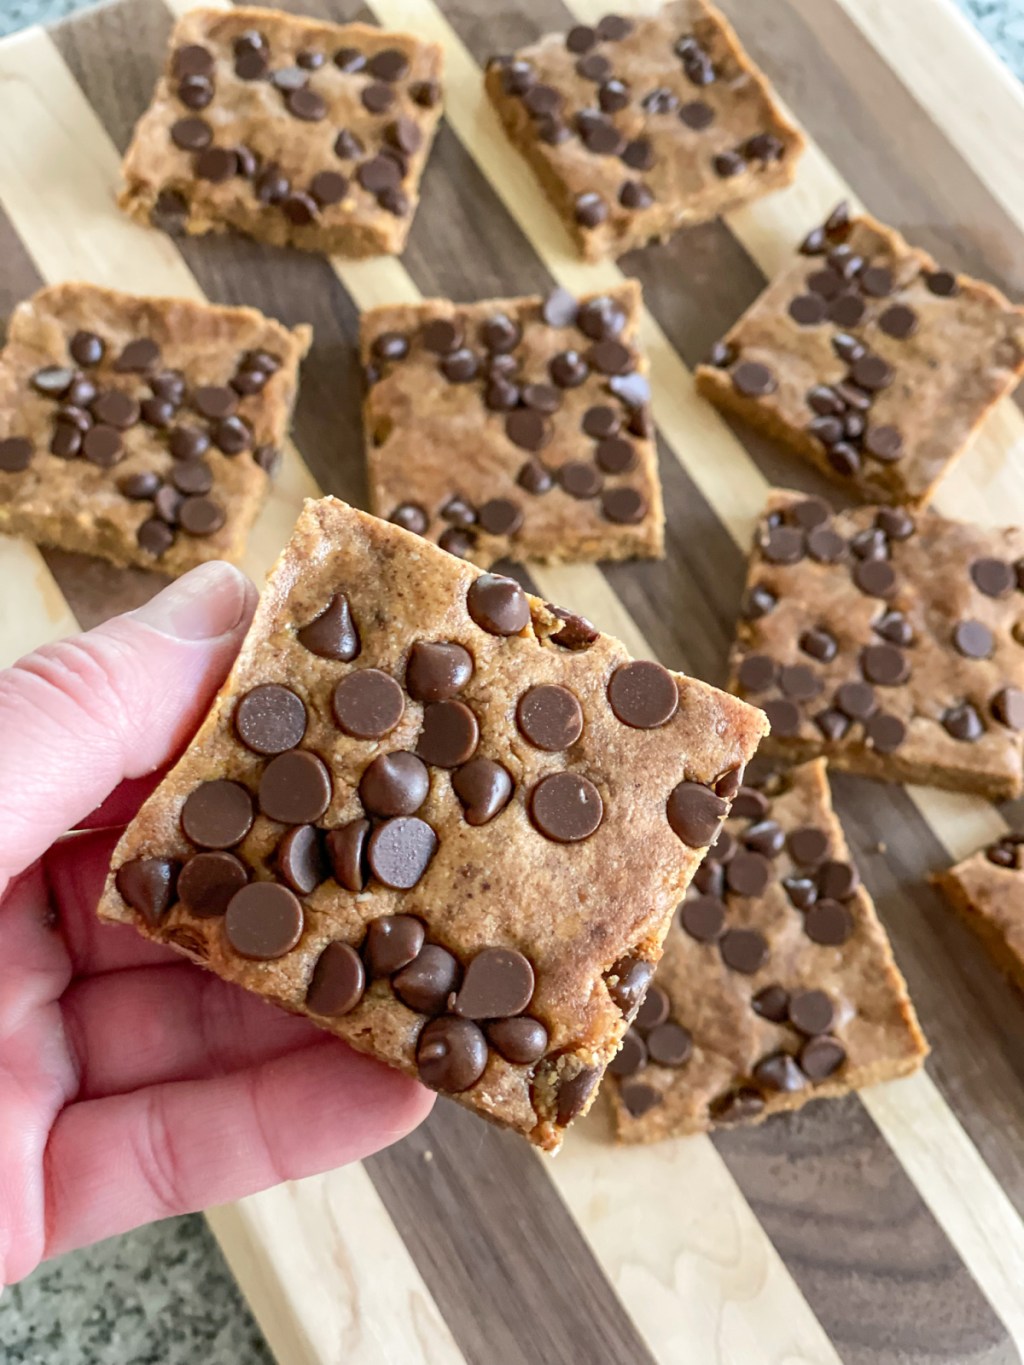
point(134, 1085)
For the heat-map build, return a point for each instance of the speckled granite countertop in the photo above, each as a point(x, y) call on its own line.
point(163, 1295)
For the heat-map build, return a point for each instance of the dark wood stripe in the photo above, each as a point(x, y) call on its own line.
point(458, 224)
point(878, 137)
point(489, 1249)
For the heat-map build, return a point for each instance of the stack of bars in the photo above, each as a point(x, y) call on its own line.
point(395, 817)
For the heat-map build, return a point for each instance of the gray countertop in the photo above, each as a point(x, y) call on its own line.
point(163, 1295)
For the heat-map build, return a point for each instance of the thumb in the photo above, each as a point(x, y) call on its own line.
point(78, 716)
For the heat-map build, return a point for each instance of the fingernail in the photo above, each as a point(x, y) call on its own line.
point(208, 601)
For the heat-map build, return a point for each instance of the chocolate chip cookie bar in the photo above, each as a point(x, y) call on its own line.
point(514, 427)
point(869, 360)
point(142, 430)
point(891, 644)
point(636, 127)
point(292, 131)
point(778, 984)
point(987, 890)
point(447, 821)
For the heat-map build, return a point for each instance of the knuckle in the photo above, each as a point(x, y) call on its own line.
point(157, 1158)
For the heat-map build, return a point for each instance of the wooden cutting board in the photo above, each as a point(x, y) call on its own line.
point(880, 1229)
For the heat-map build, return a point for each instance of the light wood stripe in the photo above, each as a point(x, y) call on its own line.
point(327, 1245)
point(62, 208)
point(995, 1268)
point(982, 112)
point(36, 613)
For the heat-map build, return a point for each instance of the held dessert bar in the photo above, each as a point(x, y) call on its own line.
point(777, 985)
point(516, 427)
point(636, 127)
point(292, 131)
point(448, 822)
point(987, 890)
point(142, 430)
point(890, 644)
point(869, 360)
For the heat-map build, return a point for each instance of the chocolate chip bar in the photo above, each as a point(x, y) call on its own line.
point(514, 427)
point(869, 360)
point(445, 820)
point(889, 644)
point(987, 890)
point(778, 984)
point(636, 127)
point(292, 131)
point(142, 430)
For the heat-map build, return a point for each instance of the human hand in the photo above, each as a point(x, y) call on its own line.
point(134, 1085)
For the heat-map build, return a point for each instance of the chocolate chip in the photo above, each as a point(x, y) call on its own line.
point(208, 881)
point(332, 634)
point(411, 517)
point(895, 522)
point(728, 164)
point(535, 478)
point(973, 640)
point(66, 441)
point(115, 409)
point(170, 212)
point(756, 673)
point(697, 115)
point(139, 486)
point(579, 479)
point(426, 982)
point(148, 886)
point(395, 784)
point(828, 923)
point(643, 694)
point(807, 309)
point(390, 64)
point(346, 850)
point(450, 735)
point(695, 813)
point(653, 1010)
point(593, 67)
point(270, 719)
point(154, 536)
point(856, 700)
point(191, 134)
point(631, 1057)
point(580, 38)
point(943, 283)
point(295, 788)
point(590, 209)
point(899, 321)
point(251, 65)
point(844, 459)
point(875, 577)
point(451, 1055)
point(300, 859)
point(962, 722)
point(819, 644)
point(1008, 707)
point(758, 601)
point(574, 1094)
point(635, 195)
point(624, 506)
point(577, 632)
point(498, 605)
point(877, 281)
point(615, 455)
point(748, 874)
point(217, 814)
point(263, 921)
point(521, 1041)
point(801, 891)
point(457, 542)
point(628, 980)
point(832, 724)
point(885, 733)
point(338, 981)
point(799, 682)
point(885, 665)
point(772, 1003)
point(703, 918)
point(808, 846)
point(559, 308)
point(885, 443)
point(216, 164)
point(192, 60)
point(750, 804)
point(484, 788)
point(783, 545)
point(367, 703)
point(783, 716)
point(566, 807)
point(232, 435)
point(744, 950)
point(639, 1098)
point(670, 1045)
point(498, 983)
point(993, 577)
point(765, 837)
point(811, 1012)
point(381, 173)
point(822, 1057)
point(610, 357)
point(568, 369)
point(527, 429)
point(872, 373)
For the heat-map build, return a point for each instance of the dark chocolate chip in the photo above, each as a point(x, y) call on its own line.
point(263, 921)
point(367, 703)
point(148, 886)
point(208, 881)
point(295, 788)
point(643, 694)
point(300, 859)
point(628, 981)
point(566, 807)
point(574, 1094)
point(270, 719)
point(695, 813)
point(426, 982)
point(217, 814)
point(411, 517)
point(346, 850)
point(744, 950)
point(498, 605)
point(943, 283)
point(392, 942)
point(400, 851)
point(807, 309)
point(590, 209)
point(449, 738)
point(1008, 707)
point(395, 784)
point(332, 634)
point(703, 918)
point(497, 984)
point(962, 722)
point(338, 981)
point(484, 788)
point(822, 1057)
point(670, 1045)
point(973, 640)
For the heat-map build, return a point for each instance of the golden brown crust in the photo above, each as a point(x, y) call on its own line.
point(430, 441)
point(77, 505)
point(685, 185)
point(966, 353)
point(252, 114)
point(989, 898)
point(573, 909)
point(935, 592)
point(874, 1018)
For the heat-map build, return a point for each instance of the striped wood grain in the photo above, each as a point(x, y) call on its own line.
point(643, 593)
